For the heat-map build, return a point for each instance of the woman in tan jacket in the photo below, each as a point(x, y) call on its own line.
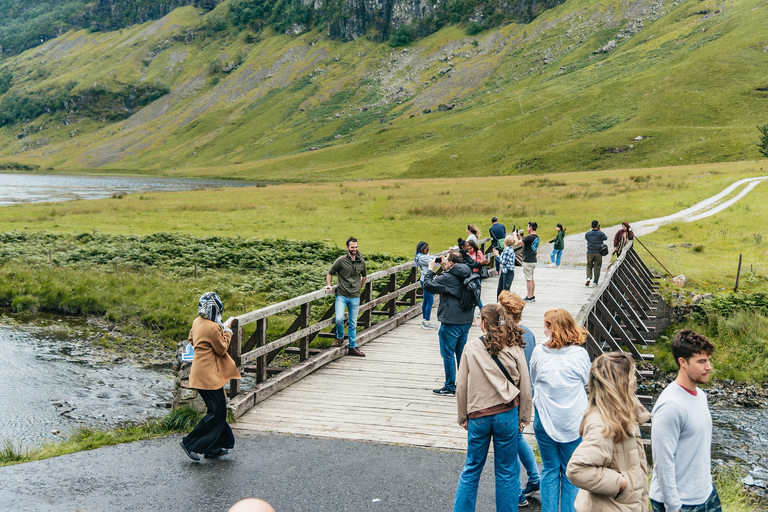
point(609, 466)
point(492, 385)
point(211, 369)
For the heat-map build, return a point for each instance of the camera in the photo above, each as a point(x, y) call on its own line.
point(438, 260)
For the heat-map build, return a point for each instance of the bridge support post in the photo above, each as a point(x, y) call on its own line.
point(235, 346)
point(303, 324)
point(260, 336)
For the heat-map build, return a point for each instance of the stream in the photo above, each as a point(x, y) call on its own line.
point(52, 383)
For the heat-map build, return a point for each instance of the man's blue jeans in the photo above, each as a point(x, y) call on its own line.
point(343, 303)
point(503, 428)
point(555, 489)
point(426, 305)
point(452, 341)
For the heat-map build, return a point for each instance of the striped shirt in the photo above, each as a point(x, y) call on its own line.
point(507, 259)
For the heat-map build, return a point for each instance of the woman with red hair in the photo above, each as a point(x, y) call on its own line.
point(559, 370)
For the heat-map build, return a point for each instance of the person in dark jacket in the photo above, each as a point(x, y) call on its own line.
point(622, 236)
point(595, 239)
point(498, 232)
point(455, 322)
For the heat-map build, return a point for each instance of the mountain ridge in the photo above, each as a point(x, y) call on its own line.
point(583, 86)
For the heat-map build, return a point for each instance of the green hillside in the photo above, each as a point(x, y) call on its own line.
point(584, 86)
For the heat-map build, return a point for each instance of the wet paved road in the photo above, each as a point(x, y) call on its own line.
point(291, 473)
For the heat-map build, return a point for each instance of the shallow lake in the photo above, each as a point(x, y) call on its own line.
point(50, 382)
point(38, 188)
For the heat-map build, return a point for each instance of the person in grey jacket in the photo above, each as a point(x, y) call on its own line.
point(455, 321)
point(595, 239)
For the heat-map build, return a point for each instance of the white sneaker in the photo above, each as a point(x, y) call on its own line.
point(432, 326)
point(425, 325)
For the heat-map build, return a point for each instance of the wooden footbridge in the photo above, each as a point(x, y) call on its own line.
point(387, 396)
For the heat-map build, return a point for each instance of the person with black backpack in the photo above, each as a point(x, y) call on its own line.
point(459, 290)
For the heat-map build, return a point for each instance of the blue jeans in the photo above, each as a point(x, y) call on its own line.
point(426, 304)
point(556, 253)
point(503, 429)
point(556, 489)
point(711, 505)
point(528, 460)
point(343, 303)
point(452, 341)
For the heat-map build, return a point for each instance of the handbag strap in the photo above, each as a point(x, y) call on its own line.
point(503, 370)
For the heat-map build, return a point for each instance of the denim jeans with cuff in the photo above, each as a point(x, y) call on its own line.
point(353, 305)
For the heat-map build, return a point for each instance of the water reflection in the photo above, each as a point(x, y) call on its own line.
point(29, 188)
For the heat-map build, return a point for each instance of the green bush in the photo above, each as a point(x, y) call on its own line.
point(474, 29)
point(400, 37)
point(763, 143)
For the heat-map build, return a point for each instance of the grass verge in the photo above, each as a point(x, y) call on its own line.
point(182, 419)
point(737, 324)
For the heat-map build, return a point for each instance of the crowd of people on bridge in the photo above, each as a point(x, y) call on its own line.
point(589, 439)
point(586, 416)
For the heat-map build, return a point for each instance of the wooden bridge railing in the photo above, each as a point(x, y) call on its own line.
point(617, 313)
point(255, 354)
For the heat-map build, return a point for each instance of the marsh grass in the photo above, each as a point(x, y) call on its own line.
point(728, 481)
point(182, 419)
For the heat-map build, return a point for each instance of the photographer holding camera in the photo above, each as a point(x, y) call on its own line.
point(455, 321)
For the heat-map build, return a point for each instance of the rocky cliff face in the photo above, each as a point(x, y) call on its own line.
point(385, 16)
point(114, 14)
point(354, 18)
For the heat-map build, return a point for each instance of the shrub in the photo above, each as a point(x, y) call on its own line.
point(474, 29)
point(400, 37)
point(763, 143)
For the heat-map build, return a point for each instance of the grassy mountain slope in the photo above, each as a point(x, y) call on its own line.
point(684, 75)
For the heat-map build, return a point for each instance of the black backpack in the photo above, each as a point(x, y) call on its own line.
point(470, 292)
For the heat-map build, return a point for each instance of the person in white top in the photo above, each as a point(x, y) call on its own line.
point(473, 233)
point(681, 433)
point(559, 370)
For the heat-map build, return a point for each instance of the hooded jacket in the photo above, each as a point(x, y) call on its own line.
point(598, 464)
point(448, 285)
point(480, 383)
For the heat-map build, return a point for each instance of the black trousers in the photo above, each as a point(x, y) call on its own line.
point(212, 432)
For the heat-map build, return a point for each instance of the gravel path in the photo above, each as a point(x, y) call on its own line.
point(576, 245)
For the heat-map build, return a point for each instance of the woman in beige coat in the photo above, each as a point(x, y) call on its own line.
point(492, 386)
point(211, 369)
point(609, 466)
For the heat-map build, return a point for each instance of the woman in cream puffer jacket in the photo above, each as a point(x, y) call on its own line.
point(609, 466)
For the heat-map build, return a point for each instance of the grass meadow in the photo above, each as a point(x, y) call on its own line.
point(392, 216)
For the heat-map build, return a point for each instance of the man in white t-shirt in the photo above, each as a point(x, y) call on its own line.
point(681, 433)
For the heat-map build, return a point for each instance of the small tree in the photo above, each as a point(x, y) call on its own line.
point(763, 144)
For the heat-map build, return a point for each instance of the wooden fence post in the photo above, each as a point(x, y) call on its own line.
point(738, 273)
point(235, 345)
point(391, 306)
point(303, 324)
point(367, 295)
point(261, 340)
